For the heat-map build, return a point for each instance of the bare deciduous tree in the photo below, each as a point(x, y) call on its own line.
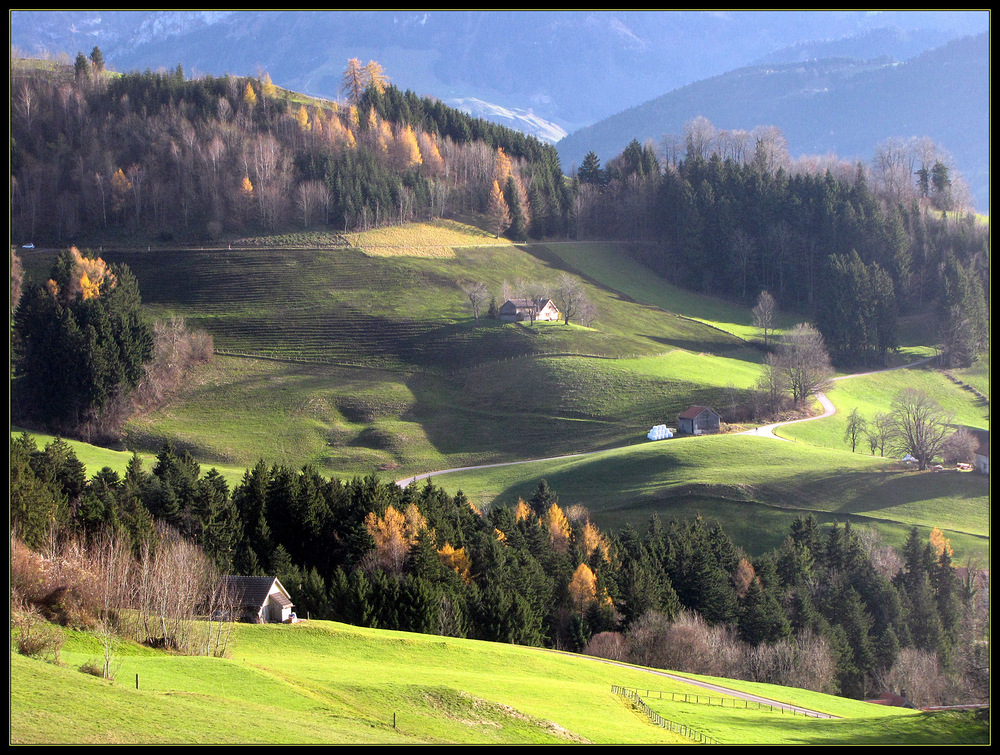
point(920, 425)
point(570, 297)
point(960, 447)
point(764, 312)
point(856, 428)
point(477, 293)
point(803, 359)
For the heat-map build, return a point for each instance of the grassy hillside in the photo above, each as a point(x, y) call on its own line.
point(366, 358)
point(320, 682)
point(753, 486)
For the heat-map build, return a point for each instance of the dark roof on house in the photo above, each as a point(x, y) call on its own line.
point(694, 411)
point(250, 591)
point(983, 438)
point(527, 303)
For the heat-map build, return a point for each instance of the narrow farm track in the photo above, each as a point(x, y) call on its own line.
point(712, 687)
point(767, 431)
point(764, 431)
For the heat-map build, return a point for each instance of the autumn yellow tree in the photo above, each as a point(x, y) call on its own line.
point(85, 278)
point(374, 76)
point(583, 588)
point(120, 188)
point(593, 541)
point(433, 163)
point(497, 211)
point(502, 167)
point(558, 528)
point(249, 96)
point(940, 543)
point(302, 118)
point(352, 84)
point(388, 532)
point(406, 149)
point(382, 133)
point(522, 510)
point(353, 118)
point(319, 121)
point(395, 533)
point(744, 576)
point(457, 560)
point(267, 87)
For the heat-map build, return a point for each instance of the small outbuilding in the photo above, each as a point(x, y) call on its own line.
point(699, 420)
point(532, 310)
point(259, 600)
point(982, 451)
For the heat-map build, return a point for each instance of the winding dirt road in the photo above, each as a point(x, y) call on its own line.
point(764, 431)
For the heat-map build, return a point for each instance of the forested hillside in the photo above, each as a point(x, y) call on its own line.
point(853, 246)
point(833, 610)
point(155, 156)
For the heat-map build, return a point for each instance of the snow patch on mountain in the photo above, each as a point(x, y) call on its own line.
point(516, 118)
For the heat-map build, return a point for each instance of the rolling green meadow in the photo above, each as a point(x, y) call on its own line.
point(322, 682)
point(365, 359)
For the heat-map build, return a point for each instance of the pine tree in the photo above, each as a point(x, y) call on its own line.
point(97, 60)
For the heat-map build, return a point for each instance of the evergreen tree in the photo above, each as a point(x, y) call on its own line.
point(590, 170)
point(97, 60)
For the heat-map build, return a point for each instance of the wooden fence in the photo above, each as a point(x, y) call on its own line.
point(727, 702)
point(685, 731)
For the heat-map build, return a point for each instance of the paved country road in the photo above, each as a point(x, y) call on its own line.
point(764, 431)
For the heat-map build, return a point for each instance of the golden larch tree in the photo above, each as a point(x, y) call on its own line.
point(457, 560)
point(522, 511)
point(120, 188)
point(497, 211)
point(267, 87)
point(352, 84)
point(592, 540)
point(407, 151)
point(302, 118)
point(433, 163)
point(374, 76)
point(391, 543)
point(85, 279)
point(502, 167)
point(558, 528)
point(583, 588)
point(249, 96)
point(940, 543)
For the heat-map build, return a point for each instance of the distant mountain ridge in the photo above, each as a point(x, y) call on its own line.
point(571, 68)
point(840, 105)
point(544, 72)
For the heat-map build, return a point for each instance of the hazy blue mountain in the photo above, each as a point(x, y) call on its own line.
point(843, 106)
point(570, 68)
point(555, 72)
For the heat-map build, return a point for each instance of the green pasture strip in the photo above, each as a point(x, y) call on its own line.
point(745, 482)
point(327, 682)
point(872, 394)
point(891, 725)
point(611, 264)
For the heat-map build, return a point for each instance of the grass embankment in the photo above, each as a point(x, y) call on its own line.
point(320, 682)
